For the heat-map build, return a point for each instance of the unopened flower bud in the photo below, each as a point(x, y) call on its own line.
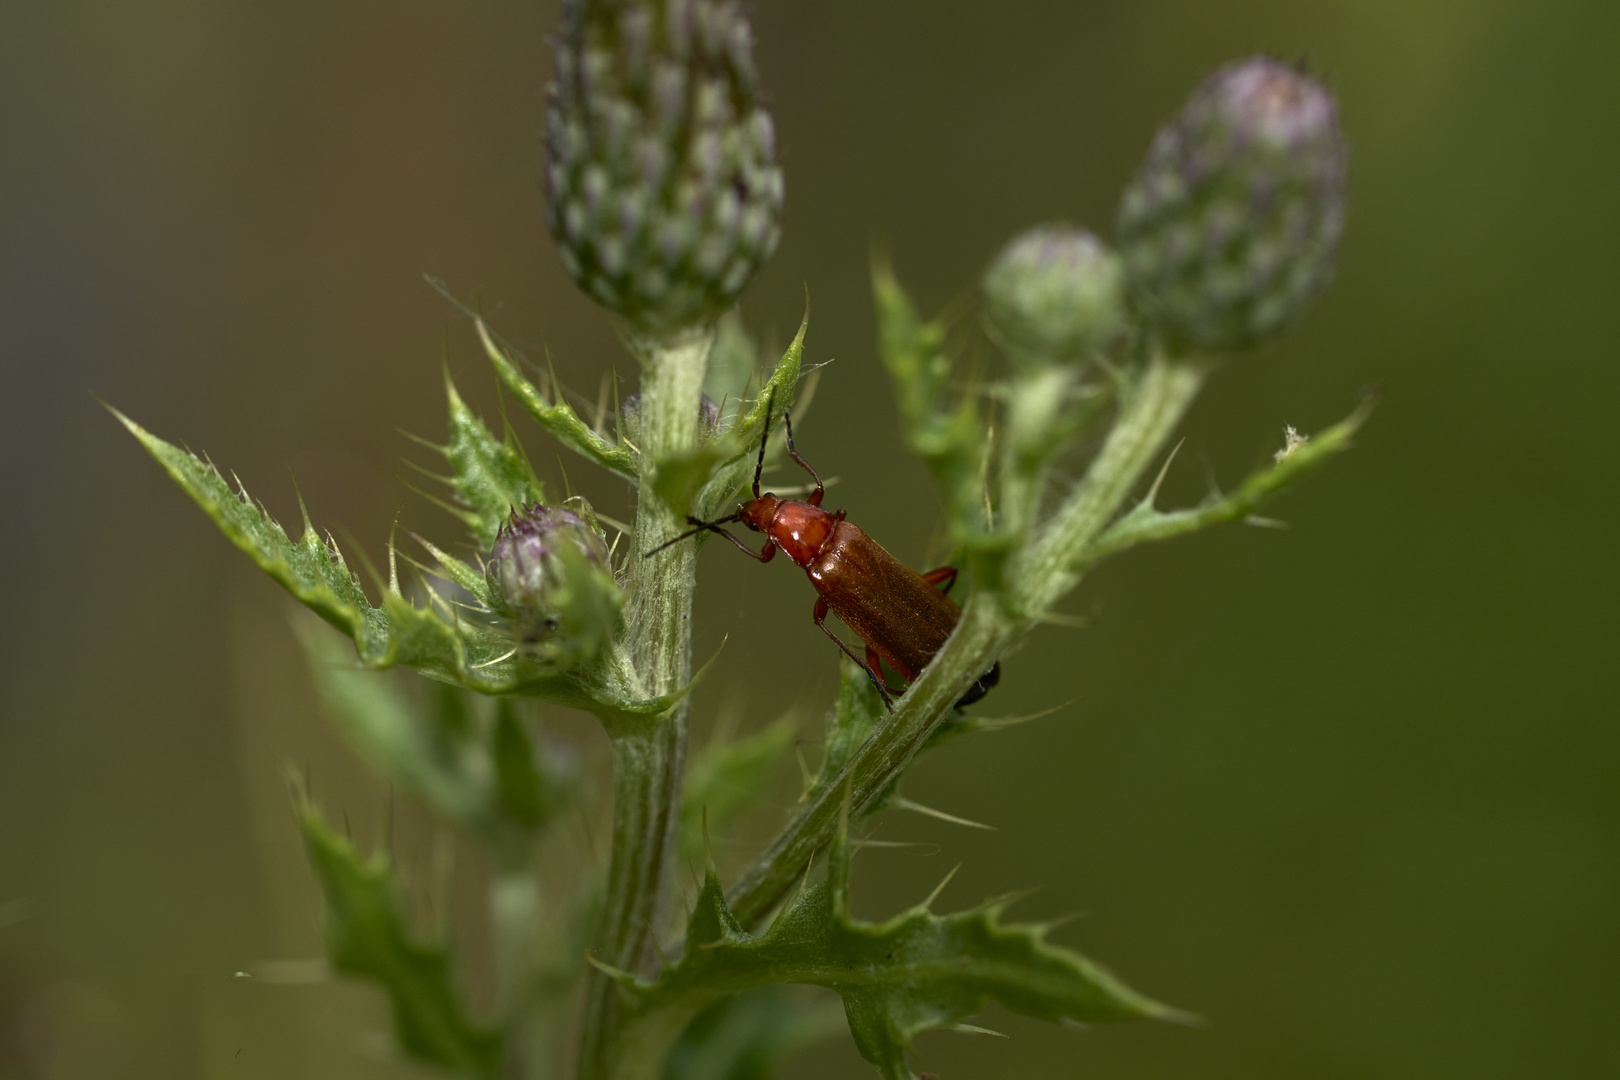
point(1055, 293)
point(1232, 221)
point(662, 188)
point(550, 578)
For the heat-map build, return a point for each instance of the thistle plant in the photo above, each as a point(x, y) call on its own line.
point(664, 198)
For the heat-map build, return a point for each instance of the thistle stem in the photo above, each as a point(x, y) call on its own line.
point(984, 631)
point(1150, 409)
point(649, 759)
point(1035, 403)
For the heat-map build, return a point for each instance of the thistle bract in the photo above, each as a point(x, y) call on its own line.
point(1055, 293)
point(550, 578)
point(1231, 223)
point(662, 189)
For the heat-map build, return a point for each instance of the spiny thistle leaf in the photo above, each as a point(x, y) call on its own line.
point(750, 1036)
point(367, 936)
point(727, 778)
point(395, 634)
point(492, 477)
point(916, 972)
point(310, 568)
point(476, 582)
point(1300, 456)
point(557, 416)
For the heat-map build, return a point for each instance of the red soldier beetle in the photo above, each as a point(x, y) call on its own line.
point(903, 617)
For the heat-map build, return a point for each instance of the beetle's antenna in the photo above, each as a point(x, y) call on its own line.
point(815, 496)
point(702, 526)
point(764, 438)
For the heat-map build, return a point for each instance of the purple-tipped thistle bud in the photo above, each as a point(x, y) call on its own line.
point(1055, 293)
point(1232, 221)
point(550, 578)
point(662, 188)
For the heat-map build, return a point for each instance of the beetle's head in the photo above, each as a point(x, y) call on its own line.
point(757, 514)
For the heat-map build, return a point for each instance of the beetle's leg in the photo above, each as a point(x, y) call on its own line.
point(820, 618)
point(875, 662)
point(947, 574)
point(766, 553)
point(764, 438)
point(821, 489)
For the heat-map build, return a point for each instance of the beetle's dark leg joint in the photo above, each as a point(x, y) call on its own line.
point(764, 555)
point(764, 438)
point(821, 489)
point(982, 686)
point(947, 574)
point(820, 618)
point(875, 662)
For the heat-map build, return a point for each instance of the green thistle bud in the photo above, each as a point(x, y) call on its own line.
point(550, 577)
point(1055, 293)
point(1232, 221)
point(662, 188)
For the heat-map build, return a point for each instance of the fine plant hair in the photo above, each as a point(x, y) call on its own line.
point(664, 197)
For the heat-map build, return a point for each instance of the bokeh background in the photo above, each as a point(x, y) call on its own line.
point(1350, 790)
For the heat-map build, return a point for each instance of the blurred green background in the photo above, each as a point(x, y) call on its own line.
point(1350, 790)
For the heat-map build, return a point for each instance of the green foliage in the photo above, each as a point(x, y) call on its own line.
point(913, 973)
point(367, 936)
point(479, 772)
point(312, 568)
point(948, 436)
point(859, 709)
point(727, 777)
point(433, 756)
point(556, 415)
point(548, 615)
point(491, 477)
point(735, 451)
point(749, 1036)
point(733, 367)
point(1299, 456)
point(519, 788)
point(716, 467)
point(437, 640)
point(476, 582)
